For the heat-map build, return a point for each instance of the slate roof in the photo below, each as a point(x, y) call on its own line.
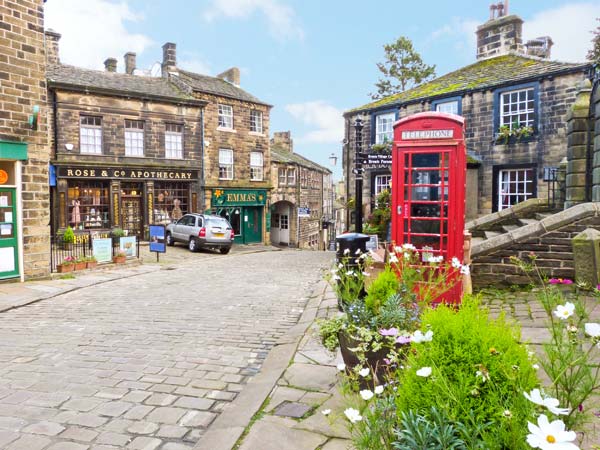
point(98, 80)
point(216, 86)
point(280, 155)
point(489, 73)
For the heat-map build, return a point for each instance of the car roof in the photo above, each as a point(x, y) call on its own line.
point(210, 216)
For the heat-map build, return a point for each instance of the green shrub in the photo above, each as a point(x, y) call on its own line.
point(385, 285)
point(478, 367)
point(69, 236)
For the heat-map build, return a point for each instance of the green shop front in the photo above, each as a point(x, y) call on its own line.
point(245, 210)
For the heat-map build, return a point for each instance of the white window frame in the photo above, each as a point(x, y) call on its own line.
point(282, 174)
point(225, 116)
point(384, 127)
point(509, 191)
point(449, 107)
point(134, 137)
point(256, 121)
point(382, 182)
point(90, 135)
point(520, 109)
point(174, 141)
point(256, 166)
point(291, 176)
point(225, 164)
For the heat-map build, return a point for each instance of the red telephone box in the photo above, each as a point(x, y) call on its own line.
point(428, 186)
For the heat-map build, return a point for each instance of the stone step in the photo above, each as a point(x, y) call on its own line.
point(526, 222)
point(509, 228)
point(491, 234)
point(542, 216)
point(477, 240)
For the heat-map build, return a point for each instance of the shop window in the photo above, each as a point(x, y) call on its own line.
point(226, 117)
point(90, 135)
point(256, 166)
point(225, 164)
point(171, 201)
point(233, 215)
point(174, 141)
point(134, 137)
point(256, 122)
point(88, 205)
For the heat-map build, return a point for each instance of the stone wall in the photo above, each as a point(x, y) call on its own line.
point(23, 85)
point(596, 141)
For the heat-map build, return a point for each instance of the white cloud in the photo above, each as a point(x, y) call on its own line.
point(93, 30)
point(195, 65)
point(461, 31)
point(318, 114)
point(281, 18)
point(569, 26)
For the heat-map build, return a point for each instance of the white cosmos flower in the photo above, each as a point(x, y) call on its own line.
point(364, 372)
point(393, 259)
point(424, 372)
point(397, 249)
point(407, 256)
point(353, 415)
point(341, 367)
point(464, 270)
point(366, 394)
point(366, 274)
point(419, 337)
point(536, 367)
point(550, 436)
point(592, 329)
point(408, 247)
point(340, 265)
point(336, 278)
point(456, 263)
point(357, 252)
point(436, 259)
point(564, 311)
point(350, 273)
point(379, 390)
point(550, 403)
point(346, 251)
point(326, 412)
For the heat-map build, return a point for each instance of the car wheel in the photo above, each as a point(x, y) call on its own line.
point(224, 251)
point(170, 241)
point(193, 245)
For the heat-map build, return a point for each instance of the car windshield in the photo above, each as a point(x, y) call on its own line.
point(218, 222)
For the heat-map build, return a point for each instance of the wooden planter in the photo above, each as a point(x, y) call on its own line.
point(119, 259)
point(80, 265)
point(64, 268)
point(91, 264)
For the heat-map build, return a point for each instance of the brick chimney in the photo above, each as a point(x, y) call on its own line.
point(283, 139)
point(110, 64)
point(52, 38)
point(540, 47)
point(169, 62)
point(129, 62)
point(232, 75)
point(501, 34)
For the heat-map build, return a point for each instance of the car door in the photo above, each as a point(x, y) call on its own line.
point(180, 231)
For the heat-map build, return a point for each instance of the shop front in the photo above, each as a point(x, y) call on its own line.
point(103, 198)
point(245, 210)
point(11, 247)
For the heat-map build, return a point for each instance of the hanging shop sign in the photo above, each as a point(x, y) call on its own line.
point(378, 161)
point(125, 173)
point(239, 197)
point(303, 212)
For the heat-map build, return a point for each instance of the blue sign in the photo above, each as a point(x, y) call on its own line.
point(303, 212)
point(128, 245)
point(157, 239)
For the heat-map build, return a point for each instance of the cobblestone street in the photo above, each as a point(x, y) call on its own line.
point(150, 361)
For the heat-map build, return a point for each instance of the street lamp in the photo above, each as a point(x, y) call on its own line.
point(358, 171)
point(333, 159)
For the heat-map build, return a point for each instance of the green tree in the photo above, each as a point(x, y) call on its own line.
point(403, 68)
point(594, 54)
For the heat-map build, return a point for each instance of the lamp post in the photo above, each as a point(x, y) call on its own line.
point(358, 171)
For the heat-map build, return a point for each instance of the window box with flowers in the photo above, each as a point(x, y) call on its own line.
point(67, 265)
point(80, 263)
point(516, 133)
point(91, 262)
point(120, 257)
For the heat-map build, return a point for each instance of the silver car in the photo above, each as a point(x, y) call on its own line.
point(201, 231)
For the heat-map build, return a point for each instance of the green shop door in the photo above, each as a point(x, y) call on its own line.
point(9, 253)
point(252, 225)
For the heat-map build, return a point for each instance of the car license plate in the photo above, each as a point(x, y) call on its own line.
point(218, 234)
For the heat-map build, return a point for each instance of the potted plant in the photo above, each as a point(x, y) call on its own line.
point(117, 234)
point(91, 262)
point(120, 257)
point(67, 265)
point(80, 263)
point(68, 238)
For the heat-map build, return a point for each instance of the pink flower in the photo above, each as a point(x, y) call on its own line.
point(389, 332)
point(403, 340)
point(560, 281)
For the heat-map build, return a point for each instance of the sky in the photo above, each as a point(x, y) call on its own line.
point(311, 59)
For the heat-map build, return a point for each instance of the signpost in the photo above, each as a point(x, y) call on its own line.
point(157, 240)
point(102, 249)
point(303, 212)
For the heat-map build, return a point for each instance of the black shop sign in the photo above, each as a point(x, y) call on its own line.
point(127, 173)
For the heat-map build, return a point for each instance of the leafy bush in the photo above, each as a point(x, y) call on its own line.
point(385, 285)
point(477, 366)
point(69, 236)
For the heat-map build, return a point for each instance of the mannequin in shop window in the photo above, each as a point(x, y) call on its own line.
point(75, 213)
point(177, 214)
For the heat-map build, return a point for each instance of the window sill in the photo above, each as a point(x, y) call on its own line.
point(256, 181)
point(225, 179)
point(226, 130)
point(256, 133)
point(514, 140)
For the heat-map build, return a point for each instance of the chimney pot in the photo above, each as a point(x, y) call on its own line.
point(110, 64)
point(169, 63)
point(129, 62)
point(51, 44)
point(232, 75)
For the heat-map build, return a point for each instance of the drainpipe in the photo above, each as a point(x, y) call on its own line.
point(346, 159)
point(53, 157)
point(202, 184)
point(594, 77)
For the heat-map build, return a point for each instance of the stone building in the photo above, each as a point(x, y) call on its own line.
point(301, 200)
point(515, 101)
point(24, 148)
point(131, 149)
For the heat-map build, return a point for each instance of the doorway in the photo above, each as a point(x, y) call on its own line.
point(252, 228)
point(9, 252)
point(132, 218)
point(280, 224)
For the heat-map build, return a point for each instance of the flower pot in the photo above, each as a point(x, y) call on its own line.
point(119, 259)
point(80, 265)
point(91, 264)
point(64, 268)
